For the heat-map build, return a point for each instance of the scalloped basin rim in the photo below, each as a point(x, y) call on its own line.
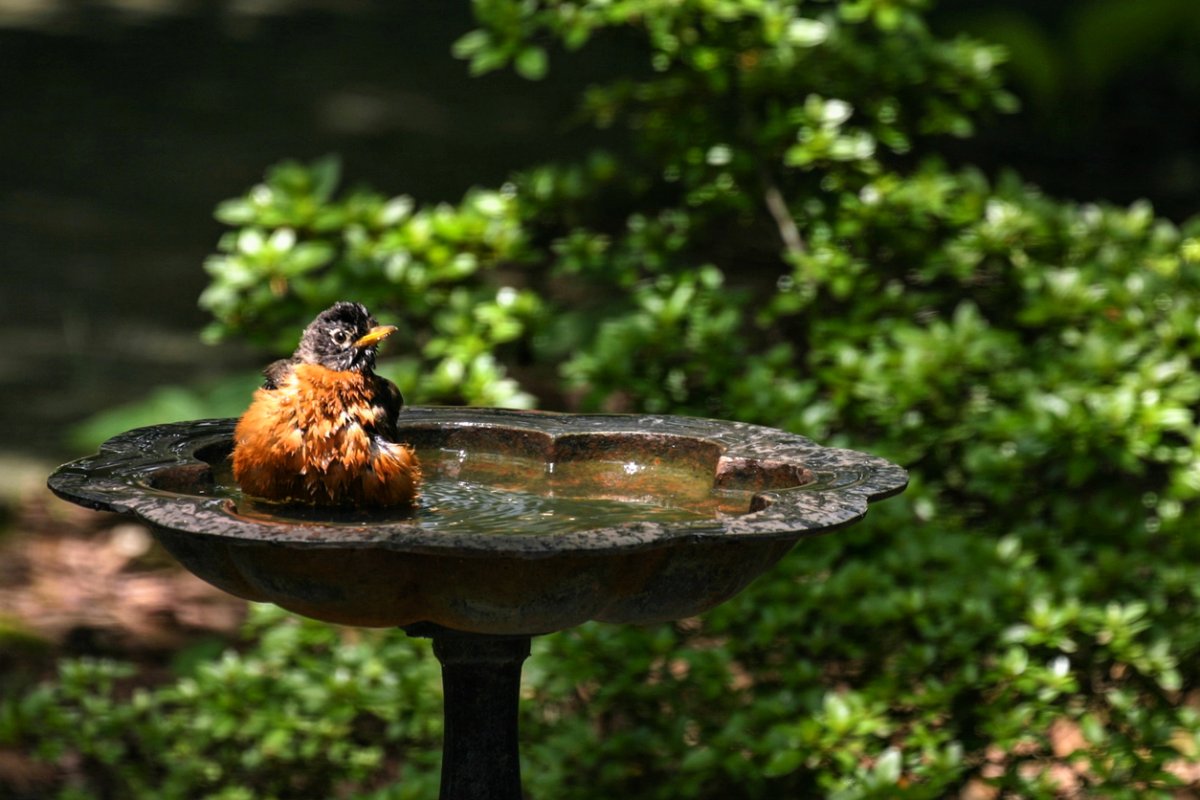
point(797, 486)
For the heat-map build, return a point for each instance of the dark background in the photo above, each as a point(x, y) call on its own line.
point(125, 122)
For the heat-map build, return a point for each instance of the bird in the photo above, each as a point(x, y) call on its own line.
point(321, 431)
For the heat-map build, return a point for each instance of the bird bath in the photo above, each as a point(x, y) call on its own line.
point(529, 523)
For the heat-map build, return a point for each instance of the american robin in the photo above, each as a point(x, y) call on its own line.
point(322, 429)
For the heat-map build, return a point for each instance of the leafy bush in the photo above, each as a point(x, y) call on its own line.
point(299, 249)
point(307, 713)
point(772, 238)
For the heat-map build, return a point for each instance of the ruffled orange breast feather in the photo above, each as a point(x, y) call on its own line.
point(316, 439)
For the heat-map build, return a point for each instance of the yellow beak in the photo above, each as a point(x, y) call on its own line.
point(375, 336)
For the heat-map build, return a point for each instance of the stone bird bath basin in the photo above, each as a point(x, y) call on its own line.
point(530, 522)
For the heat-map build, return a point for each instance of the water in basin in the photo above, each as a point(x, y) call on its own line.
point(501, 494)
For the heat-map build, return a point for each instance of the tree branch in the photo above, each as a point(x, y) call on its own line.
point(782, 216)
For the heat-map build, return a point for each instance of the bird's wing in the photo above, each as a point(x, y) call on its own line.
point(387, 394)
point(276, 372)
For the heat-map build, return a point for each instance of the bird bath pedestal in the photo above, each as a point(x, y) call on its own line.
point(530, 523)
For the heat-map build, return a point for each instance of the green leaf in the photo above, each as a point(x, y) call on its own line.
point(807, 32)
point(306, 257)
point(471, 43)
point(531, 63)
point(326, 173)
point(783, 762)
point(237, 211)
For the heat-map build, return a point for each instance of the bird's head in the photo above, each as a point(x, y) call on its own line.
point(343, 337)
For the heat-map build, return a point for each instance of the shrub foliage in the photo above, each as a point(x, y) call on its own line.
point(771, 237)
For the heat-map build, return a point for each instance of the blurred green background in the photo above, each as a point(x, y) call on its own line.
point(127, 122)
point(828, 216)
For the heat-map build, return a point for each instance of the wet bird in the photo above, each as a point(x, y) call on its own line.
point(322, 429)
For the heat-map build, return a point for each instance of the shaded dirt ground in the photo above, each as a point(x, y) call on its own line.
point(75, 582)
point(82, 582)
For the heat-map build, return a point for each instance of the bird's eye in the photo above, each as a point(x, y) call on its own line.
point(339, 336)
